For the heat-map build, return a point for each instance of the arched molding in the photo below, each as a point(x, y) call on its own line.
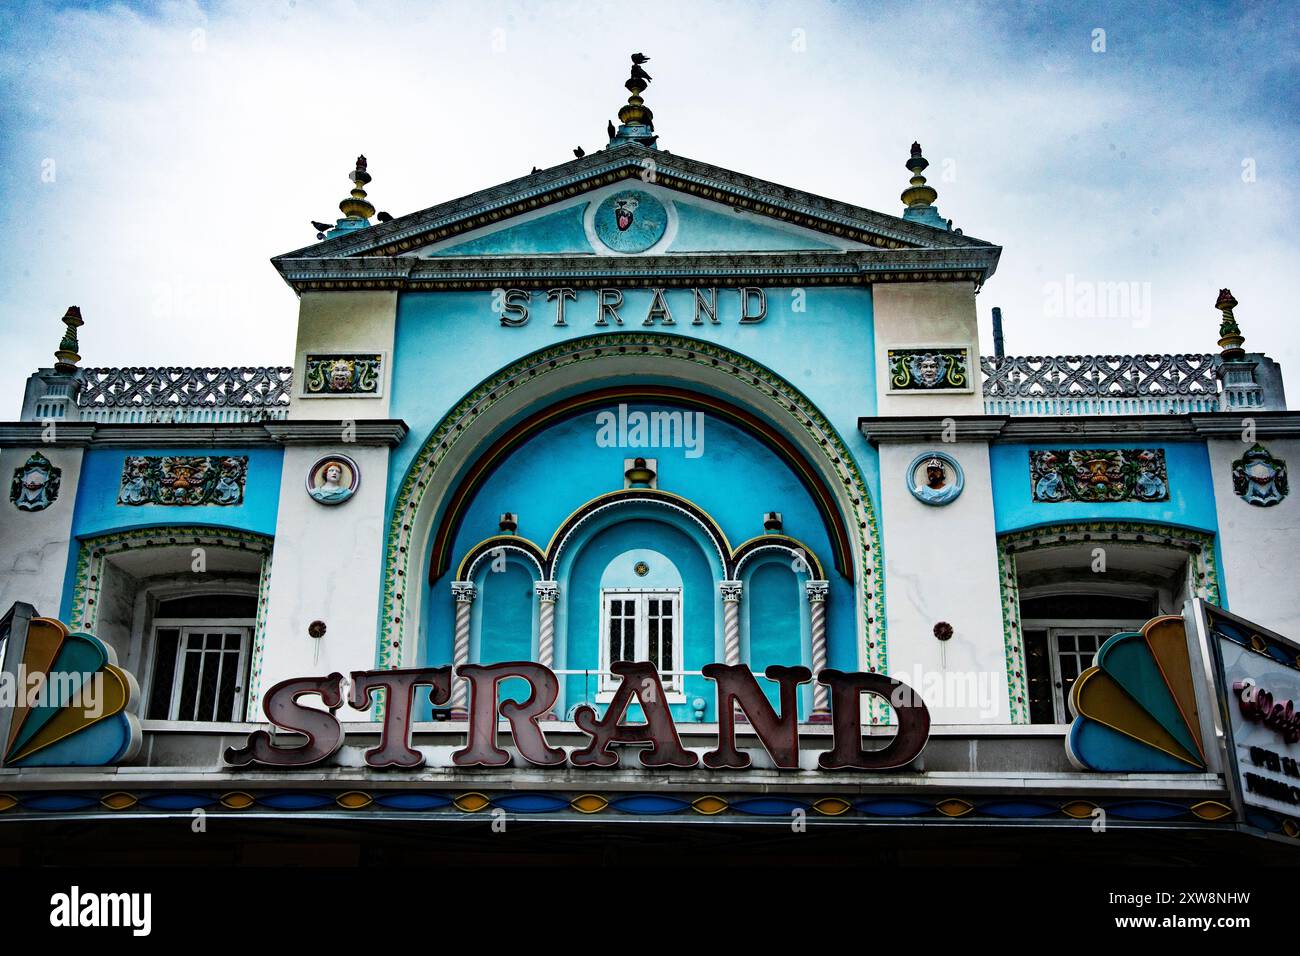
point(527, 384)
point(1203, 574)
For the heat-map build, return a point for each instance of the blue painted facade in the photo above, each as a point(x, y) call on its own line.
point(1191, 490)
point(101, 479)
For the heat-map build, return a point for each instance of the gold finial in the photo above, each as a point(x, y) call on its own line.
point(356, 206)
point(918, 195)
point(66, 358)
point(1230, 338)
point(638, 122)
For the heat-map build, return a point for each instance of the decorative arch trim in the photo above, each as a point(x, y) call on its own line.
point(408, 522)
point(547, 559)
point(94, 550)
point(483, 466)
point(1198, 545)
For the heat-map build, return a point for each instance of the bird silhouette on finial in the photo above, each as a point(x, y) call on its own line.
point(640, 58)
point(641, 74)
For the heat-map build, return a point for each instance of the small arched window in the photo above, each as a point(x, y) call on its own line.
point(641, 617)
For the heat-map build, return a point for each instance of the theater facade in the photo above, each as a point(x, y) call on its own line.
point(639, 494)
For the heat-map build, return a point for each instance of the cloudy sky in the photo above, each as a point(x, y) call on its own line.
point(155, 156)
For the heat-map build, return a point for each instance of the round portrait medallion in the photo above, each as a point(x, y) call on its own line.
point(333, 480)
point(630, 221)
point(935, 478)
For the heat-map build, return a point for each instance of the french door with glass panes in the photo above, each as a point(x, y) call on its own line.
point(200, 671)
point(1071, 650)
point(641, 625)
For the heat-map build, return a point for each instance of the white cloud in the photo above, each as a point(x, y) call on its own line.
point(186, 159)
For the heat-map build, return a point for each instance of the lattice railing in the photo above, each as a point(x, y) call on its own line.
point(1100, 384)
point(184, 394)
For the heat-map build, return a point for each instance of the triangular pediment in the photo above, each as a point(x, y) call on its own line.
point(539, 215)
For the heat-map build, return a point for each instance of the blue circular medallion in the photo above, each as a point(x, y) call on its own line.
point(935, 478)
point(631, 221)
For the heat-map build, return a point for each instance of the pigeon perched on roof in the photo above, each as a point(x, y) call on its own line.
point(609, 128)
point(384, 217)
point(579, 152)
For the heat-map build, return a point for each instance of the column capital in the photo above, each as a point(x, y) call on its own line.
point(547, 591)
point(817, 590)
point(464, 591)
point(731, 590)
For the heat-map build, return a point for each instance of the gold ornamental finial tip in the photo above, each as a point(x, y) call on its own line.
point(918, 195)
point(66, 356)
point(635, 118)
point(356, 207)
point(1230, 338)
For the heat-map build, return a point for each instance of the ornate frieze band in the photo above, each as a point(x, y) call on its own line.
point(863, 809)
point(1099, 475)
point(183, 480)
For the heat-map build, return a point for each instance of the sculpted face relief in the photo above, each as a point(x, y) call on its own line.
point(321, 734)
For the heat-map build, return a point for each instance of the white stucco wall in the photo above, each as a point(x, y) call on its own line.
point(1260, 547)
point(910, 314)
point(34, 544)
point(344, 322)
point(941, 565)
point(326, 567)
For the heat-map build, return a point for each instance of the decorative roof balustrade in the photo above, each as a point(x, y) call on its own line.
point(1100, 384)
point(189, 395)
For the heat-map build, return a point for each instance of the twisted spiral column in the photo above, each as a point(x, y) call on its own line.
point(548, 592)
point(464, 593)
point(731, 591)
point(817, 591)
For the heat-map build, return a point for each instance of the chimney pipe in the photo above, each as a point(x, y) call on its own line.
point(999, 350)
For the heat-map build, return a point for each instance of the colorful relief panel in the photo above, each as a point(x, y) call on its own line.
point(343, 374)
point(183, 480)
point(82, 715)
point(1099, 474)
point(36, 484)
point(1260, 479)
point(1136, 705)
point(929, 370)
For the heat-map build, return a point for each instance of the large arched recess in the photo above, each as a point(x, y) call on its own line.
point(446, 463)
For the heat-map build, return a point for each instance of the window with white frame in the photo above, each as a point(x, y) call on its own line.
point(641, 625)
point(200, 664)
point(1062, 636)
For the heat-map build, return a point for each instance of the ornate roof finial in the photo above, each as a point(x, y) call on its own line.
point(1230, 337)
point(918, 197)
point(66, 358)
point(636, 119)
point(356, 209)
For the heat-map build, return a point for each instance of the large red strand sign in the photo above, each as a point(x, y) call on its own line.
point(320, 734)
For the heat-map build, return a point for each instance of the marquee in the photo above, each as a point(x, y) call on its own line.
point(321, 734)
